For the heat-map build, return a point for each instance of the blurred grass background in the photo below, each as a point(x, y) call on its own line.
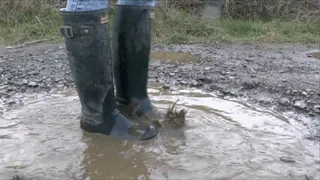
point(179, 21)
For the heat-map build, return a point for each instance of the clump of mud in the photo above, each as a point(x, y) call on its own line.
point(174, 117)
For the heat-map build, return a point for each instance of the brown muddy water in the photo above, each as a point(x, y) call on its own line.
point(173, 57)
point(222, 139)
point(315, 55)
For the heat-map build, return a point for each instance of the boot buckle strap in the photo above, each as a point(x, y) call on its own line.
point(70, 32)
point(67, 31)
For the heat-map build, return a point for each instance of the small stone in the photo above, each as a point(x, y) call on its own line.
point(223, 73)
point(25, 82)
point(229, 93)
point(317, 106)
point(220, 94)
point(294, 91)
point(231, 77)
point(208, 68)
point(288, 92)
point(308, 90)
point(33, 73)
point(11, 102)
point(300, 104)
point(171, 74)
point(304, 93)
point(195, 83)
point(58, 80)
point(248, 60)
point(284, 102)
point(183, 82)
point(311, 114)
point(250, 85)
point(265, 101)
point(165, 87)
point(60, 85)
point(204, 79)
point(252, 71)
point(42, 85)
point(214, 87)
point(32, 84)
point(316, 109)
point(176, 71)
point(287, 159)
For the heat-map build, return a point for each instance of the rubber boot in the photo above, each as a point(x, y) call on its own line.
point(89, 55)
point(131, 45)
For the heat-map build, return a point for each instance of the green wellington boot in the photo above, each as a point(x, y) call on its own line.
point(131, 45)
point(89, 55)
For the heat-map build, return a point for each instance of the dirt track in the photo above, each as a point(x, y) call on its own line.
point(283, 76)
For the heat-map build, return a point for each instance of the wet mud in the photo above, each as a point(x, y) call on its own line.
point(222, 139)
point(259, 118)
point(282, 77)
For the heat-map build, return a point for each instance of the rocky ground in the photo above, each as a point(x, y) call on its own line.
point(283, 77)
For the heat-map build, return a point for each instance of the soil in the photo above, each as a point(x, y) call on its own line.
point(282, 77)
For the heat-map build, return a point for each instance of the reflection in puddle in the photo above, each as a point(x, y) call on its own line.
point(221, 140)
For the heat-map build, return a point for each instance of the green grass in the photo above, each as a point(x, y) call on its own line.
point(181, 27)
point(171, 27)
point(17, 27)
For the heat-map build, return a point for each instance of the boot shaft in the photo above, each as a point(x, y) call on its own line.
point(132, 38)
point(89, 55)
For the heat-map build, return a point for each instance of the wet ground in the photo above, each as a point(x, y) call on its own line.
point(276, 137)
point(222, 139)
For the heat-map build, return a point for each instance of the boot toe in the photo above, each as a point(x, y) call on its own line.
point(126, 129)
point(150, 133)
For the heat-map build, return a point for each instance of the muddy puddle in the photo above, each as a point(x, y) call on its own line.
point(222, 139)
point(315, 55)
point(173, 57)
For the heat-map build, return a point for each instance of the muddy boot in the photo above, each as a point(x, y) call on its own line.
point(131, 38)
point(89, 55)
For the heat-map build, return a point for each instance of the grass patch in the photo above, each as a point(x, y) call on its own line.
point(18, 27)
point(173, 26)
point(179, 27)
